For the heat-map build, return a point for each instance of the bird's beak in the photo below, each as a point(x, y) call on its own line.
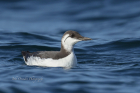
point(84, 38)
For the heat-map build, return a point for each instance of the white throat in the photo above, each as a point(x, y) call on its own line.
point(69, 42)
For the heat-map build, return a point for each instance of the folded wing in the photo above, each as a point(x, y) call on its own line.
point(41, 54)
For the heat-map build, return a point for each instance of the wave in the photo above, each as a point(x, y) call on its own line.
point(120, 44)
point(39, 41)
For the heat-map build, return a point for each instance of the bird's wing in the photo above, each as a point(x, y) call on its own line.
point(41, 54)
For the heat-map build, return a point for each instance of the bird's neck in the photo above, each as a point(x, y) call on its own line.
point(65, 51)
point(67, 48)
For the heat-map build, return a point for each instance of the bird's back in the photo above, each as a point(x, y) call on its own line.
point(41, 54)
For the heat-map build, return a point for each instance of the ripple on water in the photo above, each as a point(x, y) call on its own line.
point(107, 64)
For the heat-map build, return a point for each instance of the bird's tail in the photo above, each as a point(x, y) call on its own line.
point(24, 53)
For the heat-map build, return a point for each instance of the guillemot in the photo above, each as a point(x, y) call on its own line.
point(63, 58)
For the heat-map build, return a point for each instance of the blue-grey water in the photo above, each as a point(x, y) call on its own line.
point(110, 63)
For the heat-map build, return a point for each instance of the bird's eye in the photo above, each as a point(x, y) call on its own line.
point(72, 35)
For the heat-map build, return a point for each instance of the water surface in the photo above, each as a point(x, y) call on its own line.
point(110, 63)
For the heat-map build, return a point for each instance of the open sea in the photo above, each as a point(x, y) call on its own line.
point(110, 63)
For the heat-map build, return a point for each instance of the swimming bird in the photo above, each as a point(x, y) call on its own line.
point(63, 58)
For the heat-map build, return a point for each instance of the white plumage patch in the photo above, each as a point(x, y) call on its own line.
point(67, 62)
